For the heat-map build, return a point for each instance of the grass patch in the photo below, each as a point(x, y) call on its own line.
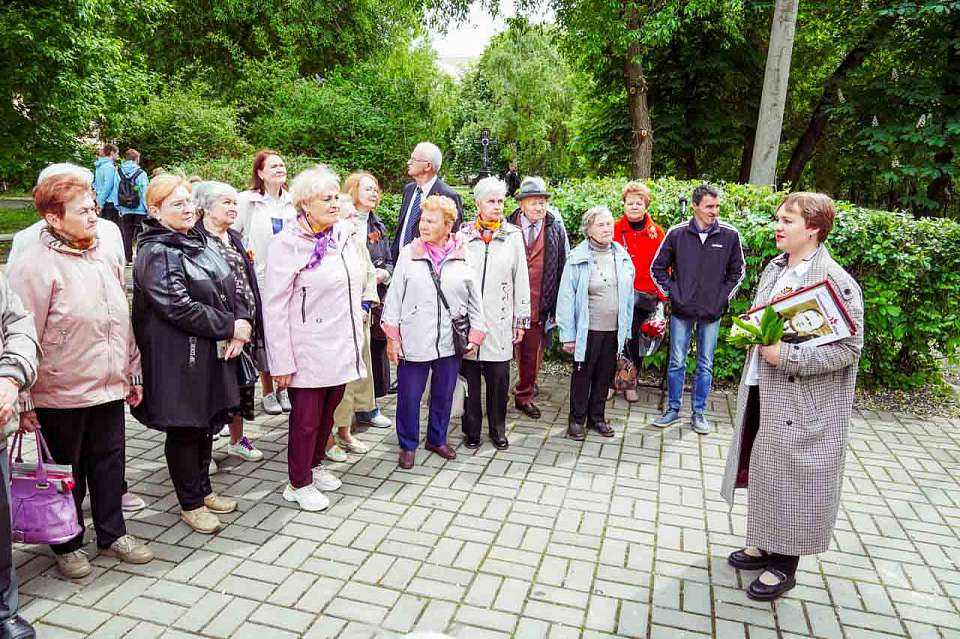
point(13, 220)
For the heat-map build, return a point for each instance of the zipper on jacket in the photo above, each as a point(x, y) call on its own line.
point(303, 304)
point(483, 284)
point(353, 321)
point(437, 344)
point(192, 359)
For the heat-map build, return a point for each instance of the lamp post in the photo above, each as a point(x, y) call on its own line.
point(485, 141)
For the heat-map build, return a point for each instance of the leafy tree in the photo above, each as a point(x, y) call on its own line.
point(522, 90)
point(62, 71)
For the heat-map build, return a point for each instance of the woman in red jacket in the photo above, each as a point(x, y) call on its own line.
point(641, 236)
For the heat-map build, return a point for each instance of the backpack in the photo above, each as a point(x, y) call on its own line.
point(127, 193)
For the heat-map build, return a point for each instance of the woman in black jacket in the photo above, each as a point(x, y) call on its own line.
point(365, 191)
point(216, 204)
point(188, 333)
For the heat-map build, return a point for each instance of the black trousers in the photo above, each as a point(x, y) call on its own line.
point(9, 601)
point(496, 377)
point(91, 440)
point(130, 225)
point(188, 451)
point(109, 211)
point(592, 377)
point(381, 367)
point(787, 564)
point(639, 317)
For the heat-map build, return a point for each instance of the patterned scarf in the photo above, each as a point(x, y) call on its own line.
point(71, 246)
point(322, 241)
point(488, 229)
point(439, 254)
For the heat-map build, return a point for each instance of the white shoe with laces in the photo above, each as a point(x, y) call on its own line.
point(336, 454)
point(244, 450)
point(323, 479)
point(271, 405)
point(307, 497)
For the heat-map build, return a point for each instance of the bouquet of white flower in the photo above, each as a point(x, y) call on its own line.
point(744, 333)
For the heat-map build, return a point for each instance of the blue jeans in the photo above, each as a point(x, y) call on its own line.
point(681, 331)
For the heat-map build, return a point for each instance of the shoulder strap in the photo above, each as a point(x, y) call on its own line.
point(436, 282)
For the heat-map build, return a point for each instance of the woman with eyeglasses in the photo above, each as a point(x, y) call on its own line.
point(90, 364)
point(190, 332)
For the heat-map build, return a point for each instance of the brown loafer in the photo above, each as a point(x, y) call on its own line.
point(443, 450)
point(406, 459)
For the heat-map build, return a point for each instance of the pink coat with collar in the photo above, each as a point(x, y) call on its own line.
point(80, 309)
point(313, 320)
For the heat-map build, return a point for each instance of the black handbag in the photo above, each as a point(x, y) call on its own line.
point(459, 323)
point(247, 373)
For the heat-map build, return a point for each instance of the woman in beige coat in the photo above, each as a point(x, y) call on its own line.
point(793, 411)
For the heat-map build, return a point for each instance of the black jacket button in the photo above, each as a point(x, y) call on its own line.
point(789, 423)
point(791, 378)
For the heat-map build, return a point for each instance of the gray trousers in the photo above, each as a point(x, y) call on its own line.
point(9, 601)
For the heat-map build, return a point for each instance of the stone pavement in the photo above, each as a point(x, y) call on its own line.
point(550, 539)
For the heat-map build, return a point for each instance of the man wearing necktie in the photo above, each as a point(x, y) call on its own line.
point(546, 246)
point(423, 165)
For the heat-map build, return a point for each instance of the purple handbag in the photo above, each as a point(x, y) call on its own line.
point(42, 509)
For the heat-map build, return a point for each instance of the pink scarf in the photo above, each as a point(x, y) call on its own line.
point(439, 254)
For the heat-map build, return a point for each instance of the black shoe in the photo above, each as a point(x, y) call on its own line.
point(603, 428)
point(740, 560)
point(575, 431)
point(530, 410)
point(472, 443)
point(393, 388)
point(501, 443)
point(16, 628)
point(759, 591)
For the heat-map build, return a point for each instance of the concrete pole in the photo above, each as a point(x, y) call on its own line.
point(763, 167)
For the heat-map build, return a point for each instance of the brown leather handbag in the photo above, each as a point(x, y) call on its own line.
point(626, 375)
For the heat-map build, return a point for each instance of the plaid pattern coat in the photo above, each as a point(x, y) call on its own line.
point(796, 463)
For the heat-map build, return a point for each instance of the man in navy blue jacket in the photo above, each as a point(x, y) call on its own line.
point(699, 267)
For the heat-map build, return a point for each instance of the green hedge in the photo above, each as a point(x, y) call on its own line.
point(909, 271)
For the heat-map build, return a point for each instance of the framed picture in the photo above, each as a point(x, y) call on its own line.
point(812, 315)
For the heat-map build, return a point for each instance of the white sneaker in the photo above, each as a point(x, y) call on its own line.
point(284, 401)
point(336, 454)
point(271, 405)
point(380, 421)
point(225, 431)
point(245, 450)
point(323, 479)
point(308, 497)
point(213, 469)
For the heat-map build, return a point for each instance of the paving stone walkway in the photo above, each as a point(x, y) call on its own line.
point(550, 539)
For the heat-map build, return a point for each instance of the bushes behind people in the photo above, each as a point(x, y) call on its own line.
point(909, 270)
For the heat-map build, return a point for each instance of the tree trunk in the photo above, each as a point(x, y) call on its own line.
point(940, 189)
point(763, 167)
point(746, 154)
point(642, 144)
point(803, 151)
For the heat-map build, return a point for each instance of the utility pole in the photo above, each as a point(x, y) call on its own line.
point(766, 145)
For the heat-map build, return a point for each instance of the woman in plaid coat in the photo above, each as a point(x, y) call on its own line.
point(793, 411)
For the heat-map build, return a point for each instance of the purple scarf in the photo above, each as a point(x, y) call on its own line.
point(323, 241)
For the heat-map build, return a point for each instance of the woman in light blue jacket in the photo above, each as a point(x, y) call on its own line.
point(594, 313)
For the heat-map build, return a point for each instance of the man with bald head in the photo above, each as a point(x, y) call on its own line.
point(423, 166)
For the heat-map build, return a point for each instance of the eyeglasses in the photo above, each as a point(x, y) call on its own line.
point(412, 159)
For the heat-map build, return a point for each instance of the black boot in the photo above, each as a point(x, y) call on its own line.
point(16, 628)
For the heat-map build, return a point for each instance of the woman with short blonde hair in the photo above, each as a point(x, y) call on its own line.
point(313, 318)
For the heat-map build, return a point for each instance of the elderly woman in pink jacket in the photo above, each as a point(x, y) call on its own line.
point(90, 363)
point(314, 306)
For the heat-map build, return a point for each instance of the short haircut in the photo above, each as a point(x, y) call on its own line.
point(591, 216)
point(489, 185)
point(206, 194)
point(443, 204)
point(256, 182)
point(309, 183)
point(703, 191)
point(131, 154)
point(351, 186)
point(50, 197)
point(817, 210)
point(162, 186)
point(434, 156)
point(60, 168)
point(637, 188)
point(108, 149)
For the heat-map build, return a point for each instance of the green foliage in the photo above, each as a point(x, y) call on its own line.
point(178, 124)
point(909, 271)
point(524, 91)
point(368, 116)
point(62, 68)
point(238, 171)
